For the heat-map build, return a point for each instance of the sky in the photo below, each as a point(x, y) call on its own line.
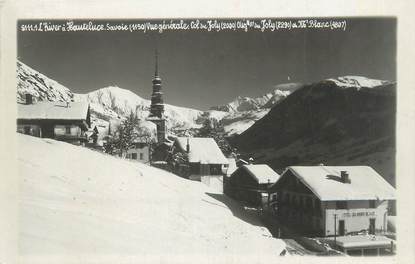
point(201, 69)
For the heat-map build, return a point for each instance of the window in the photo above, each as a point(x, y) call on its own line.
point(27, 130)
point(194, 168)
point(372, 204)
point(341, 204)
point(134, 156)
point(215, 169)
point(67, 129)
point(141, 156)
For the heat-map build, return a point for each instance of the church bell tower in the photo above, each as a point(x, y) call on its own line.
point(157, 105)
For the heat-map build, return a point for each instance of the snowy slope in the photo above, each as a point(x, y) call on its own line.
point(115, 102)
point(357, 82)
point(106, 103)
point(39, 86)
point(330, 124)
point(77, 203)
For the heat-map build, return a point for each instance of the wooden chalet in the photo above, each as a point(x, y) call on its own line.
point(205, 161)
point(58, 120)
point(249, 183)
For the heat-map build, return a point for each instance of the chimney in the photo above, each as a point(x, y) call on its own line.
point(29, 99)
point(345, 177)
point(187, 145)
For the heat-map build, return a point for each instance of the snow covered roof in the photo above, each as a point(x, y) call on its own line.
point(231, 167)
point(262, 172)
point(325, 182)
point(53, 110)
point(203, 150)
point(363, 241)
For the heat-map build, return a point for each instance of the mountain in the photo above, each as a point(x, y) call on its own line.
point(114, 102)
point(243, 104)
point(76, 203)
point(357, 82)
point(243, 112)
point(41, 87)
point(340, 121)
point(106, 103)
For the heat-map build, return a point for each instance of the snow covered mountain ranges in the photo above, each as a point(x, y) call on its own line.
point(347, 120)
point(106, 104)
point(114, 103)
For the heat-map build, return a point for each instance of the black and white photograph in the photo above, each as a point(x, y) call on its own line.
point(264, 139)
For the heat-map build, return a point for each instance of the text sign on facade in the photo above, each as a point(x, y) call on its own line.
point(359, 214)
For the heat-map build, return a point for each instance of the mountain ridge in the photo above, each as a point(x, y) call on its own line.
point(325, 123)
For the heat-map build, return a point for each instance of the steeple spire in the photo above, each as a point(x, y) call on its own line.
point(157, 104)
point(156, 72)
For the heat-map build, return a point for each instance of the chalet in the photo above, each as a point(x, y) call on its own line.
point(141, 148)
point(58, 120)
point(205, 160)
point(140, 151)
point(332, 200)
point(249, 183)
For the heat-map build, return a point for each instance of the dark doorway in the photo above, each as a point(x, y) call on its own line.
point(341, 227)
point(48, 131)
point(372, 226)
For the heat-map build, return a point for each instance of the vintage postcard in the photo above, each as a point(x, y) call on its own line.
point(224, 138)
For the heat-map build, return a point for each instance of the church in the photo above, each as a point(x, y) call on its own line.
point(157, 106)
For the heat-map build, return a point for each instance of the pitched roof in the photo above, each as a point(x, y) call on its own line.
point(262, 173)
point(53, 110)
point(325, 183)
point(232, 166)
point(203, 150)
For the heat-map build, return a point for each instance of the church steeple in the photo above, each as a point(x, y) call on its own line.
point(156, 72)
point(157, 104)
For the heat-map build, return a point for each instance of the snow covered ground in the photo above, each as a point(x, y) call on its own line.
point(80, 204)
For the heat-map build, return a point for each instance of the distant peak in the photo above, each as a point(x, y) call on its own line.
point(355, 81)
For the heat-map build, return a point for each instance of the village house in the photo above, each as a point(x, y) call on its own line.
point(205, 161)
point(65, 121)
point(140, 151)
point(249, 183)
point(332, 200)
point(142, 145)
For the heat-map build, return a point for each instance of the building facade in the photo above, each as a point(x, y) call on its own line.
point(58, 120)
point(203, 160)
point(332, 201)
point(249, 183)
point(139, 152)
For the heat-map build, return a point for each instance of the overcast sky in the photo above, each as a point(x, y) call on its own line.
point(203, 69)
